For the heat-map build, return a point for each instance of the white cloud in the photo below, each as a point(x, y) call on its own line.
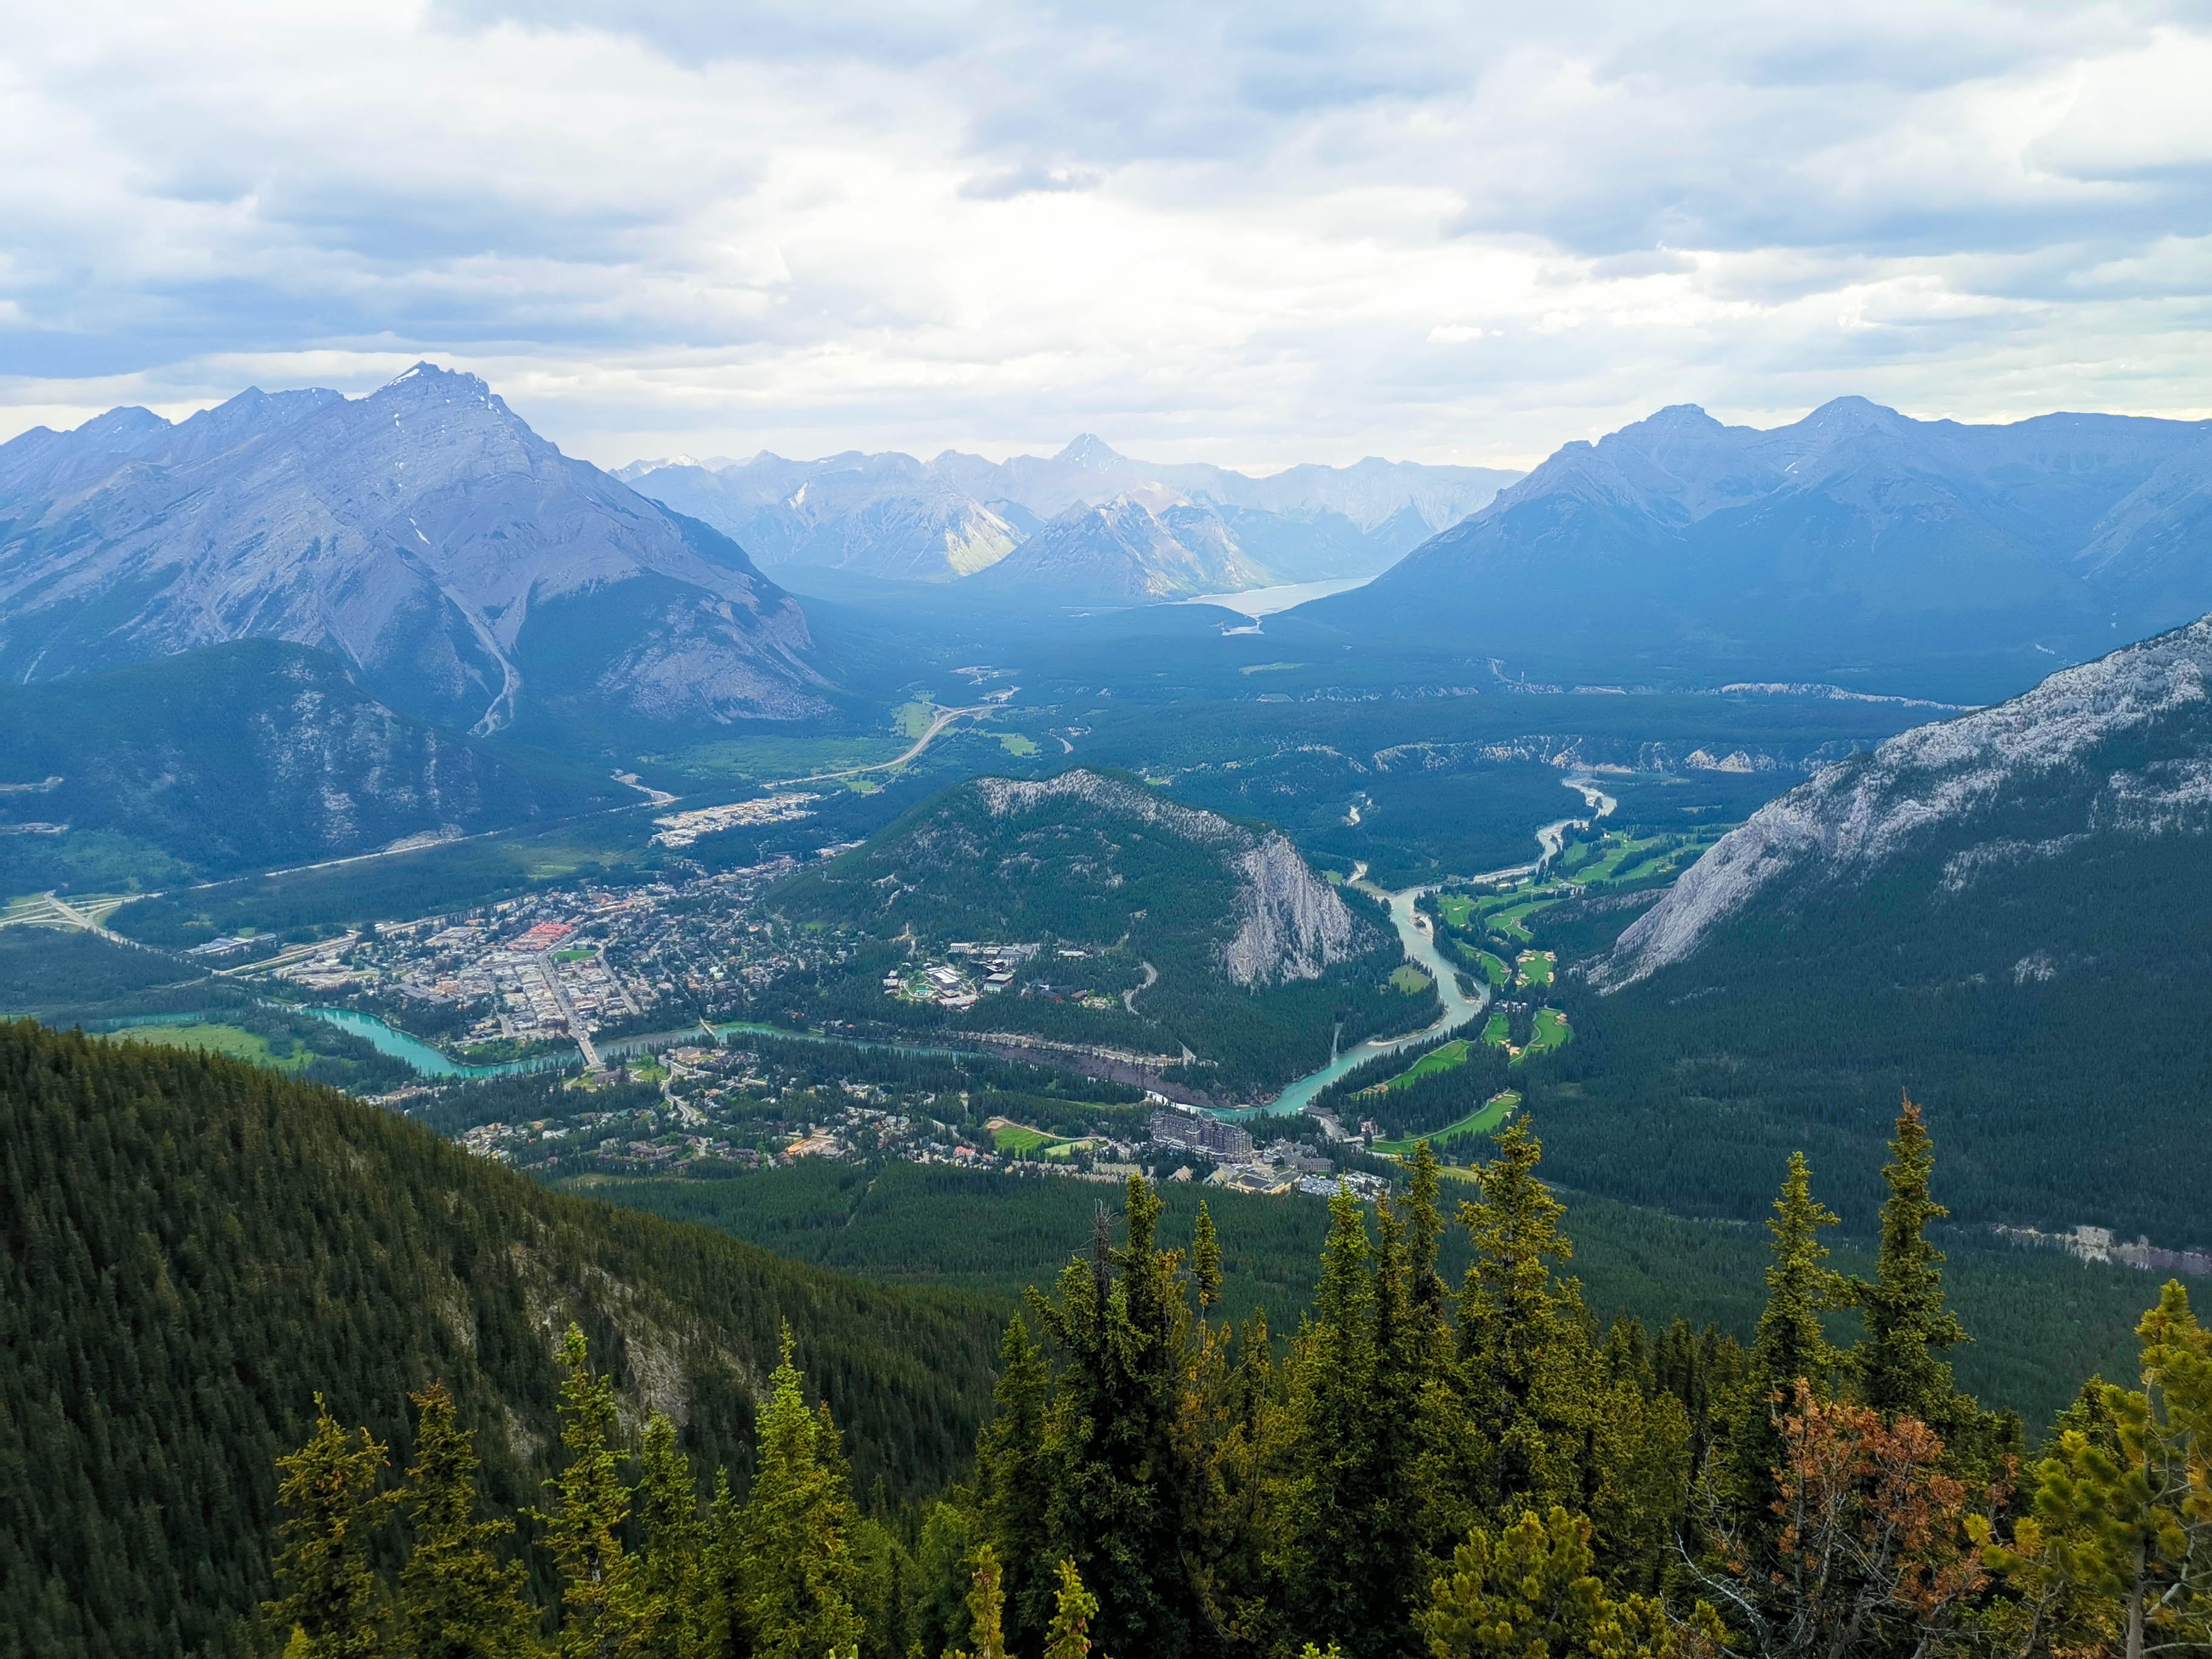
point(1256, 235)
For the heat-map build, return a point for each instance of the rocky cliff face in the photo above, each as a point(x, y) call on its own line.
point(425, 534)
point(2108, 755)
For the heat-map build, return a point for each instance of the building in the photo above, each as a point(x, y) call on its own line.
point(1184, 1125)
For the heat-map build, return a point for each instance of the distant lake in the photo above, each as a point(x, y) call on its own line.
point(1266, 601)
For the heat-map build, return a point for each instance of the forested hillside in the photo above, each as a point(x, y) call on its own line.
point(240, 756)
point(194, 1249)
point(2006, 913)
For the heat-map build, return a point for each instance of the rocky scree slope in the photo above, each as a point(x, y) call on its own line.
point(2111, 760)
point(469, 572)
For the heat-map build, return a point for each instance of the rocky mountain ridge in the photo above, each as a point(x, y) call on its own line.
point(2115, 751)
point(468, 570)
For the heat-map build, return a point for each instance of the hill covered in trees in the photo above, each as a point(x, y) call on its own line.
point(1156, 927)
point(194, 1249)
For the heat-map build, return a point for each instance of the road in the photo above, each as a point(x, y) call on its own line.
point(945, 718)
point(1129, 996)
point(567, 1010)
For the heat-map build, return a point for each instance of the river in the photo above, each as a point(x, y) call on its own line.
point(1416, 933)
point(1418, 936)
point(418, 1055)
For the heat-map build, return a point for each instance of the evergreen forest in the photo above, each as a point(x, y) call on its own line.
point(285, 1374)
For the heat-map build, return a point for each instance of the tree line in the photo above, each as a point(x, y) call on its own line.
point(1422, 1469)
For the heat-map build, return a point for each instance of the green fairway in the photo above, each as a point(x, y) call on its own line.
point(1020, 1139)
point(1454, 907)
point(1437, 1060)
point(1551, 1032)
point(1485, 1120)
point(1536, 967)
point(1492, 969)
point(1495, 1032)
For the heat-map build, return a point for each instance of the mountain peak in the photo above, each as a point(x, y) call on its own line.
point(1088, 449)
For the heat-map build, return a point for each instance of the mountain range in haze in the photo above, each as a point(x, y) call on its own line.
point(1846, 545)
point(1109, 529)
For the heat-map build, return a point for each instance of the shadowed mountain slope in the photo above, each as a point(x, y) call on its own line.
point(1854, 544)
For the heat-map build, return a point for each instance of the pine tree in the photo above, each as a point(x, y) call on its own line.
point(1530, 1378)
point(671, 1563)
point(1334, 1407)
point(1125, 1478)
point(1906, 1320)
point(1205, 1260)
point(1074, 1608)
point(583, 1529)
point(1013, 1483)
point(2117, 1549)
point(1531, 1589)
point(1790, 1346)
point(795, 1570)
point(329, 1485)
point(985, 1605)
point(457, 1599)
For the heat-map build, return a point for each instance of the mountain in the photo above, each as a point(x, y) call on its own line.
point(1122, 554)
point(468, 571)
point(194, 1248)
point(1854, 543)
point(890, 515)
point(2009, 913)
point(1225, 942)
point(242, 756)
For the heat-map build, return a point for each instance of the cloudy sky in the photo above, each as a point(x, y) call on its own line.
point(1255, 235)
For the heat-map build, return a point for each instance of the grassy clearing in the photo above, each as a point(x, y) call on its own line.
point(760, 760)
point(913, 718)
point(232, 1040)
point(1016, 743)
point(1020, 1138)
point(1410, 979)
